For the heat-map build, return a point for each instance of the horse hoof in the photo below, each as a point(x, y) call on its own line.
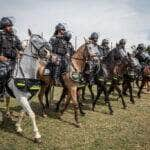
point(132, 101)
point(37, 140)
point(78, 125)
point(111, 112)
point(20, 133)
point(82, 113)
point(124, 107)
point(44, 115)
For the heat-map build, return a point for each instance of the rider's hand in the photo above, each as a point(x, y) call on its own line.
point(19, 55)
point(3, 58)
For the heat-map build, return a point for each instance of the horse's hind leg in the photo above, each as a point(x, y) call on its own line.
point(141, 87)
point(40, 97)
point(120, 95)
point(27, 108)
point(18, 124)
point(99, 91)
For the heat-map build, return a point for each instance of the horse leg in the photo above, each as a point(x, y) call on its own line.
point(107, 99)
point(47, 90)
point(64, 93)
point(131, 92)
point(124, 87)
point(141, 87)
point(73, 92)
point(66, 105)
point(83, 92)
point(18, 124)
point(27, 108)
point(120, 95)
point(40, 97)
point(99, 92)
point(79, 102)
point(90, 89)
point(7, 106)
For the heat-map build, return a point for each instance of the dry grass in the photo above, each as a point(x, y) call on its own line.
point(125, 130)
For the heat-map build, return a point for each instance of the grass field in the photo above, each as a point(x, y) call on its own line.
point(125, 130)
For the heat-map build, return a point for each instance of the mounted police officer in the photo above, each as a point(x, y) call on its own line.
point(10, 49)
point(104, 47)
point(91, 65)
point(120, 50)
point(63, 48)
point(70, 48)
point(139, 53)
point(142, 55)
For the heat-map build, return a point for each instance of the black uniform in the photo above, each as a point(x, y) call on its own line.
point(9, 45)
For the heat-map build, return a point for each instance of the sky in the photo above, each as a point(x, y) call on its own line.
point(112, 19)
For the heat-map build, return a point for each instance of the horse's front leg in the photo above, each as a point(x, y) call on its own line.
point(107, 101)
point(40, 97)
point(79, 101)
point(120, 95)
point(131, 92)
point(91, 91)
point(73, 92)
point(27, 108)
point(141, 87)
point(7, 107)
point(99, 91)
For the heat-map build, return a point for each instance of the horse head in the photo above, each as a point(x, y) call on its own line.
point(38, 46)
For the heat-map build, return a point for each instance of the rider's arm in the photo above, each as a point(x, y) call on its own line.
point(18, 44)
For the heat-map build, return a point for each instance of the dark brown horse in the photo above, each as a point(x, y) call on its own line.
point(145, 79)
point(115, 70)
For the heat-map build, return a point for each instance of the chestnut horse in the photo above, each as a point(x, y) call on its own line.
point(77, 64)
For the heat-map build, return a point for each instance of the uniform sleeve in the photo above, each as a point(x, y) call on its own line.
point(72, 50)
point(0, 39)
point(18, 44)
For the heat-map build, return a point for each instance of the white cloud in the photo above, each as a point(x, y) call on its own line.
point(112, 19)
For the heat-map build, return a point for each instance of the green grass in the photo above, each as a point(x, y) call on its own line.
point(125, 130)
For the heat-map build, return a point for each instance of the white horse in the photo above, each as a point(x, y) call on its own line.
point(36, 48)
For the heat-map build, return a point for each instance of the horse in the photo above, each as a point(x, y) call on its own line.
point(145, 71)
point(113, 69)
point(76, 65)
point(145, 79)
point(86, 83)
point(25, 72)
point(130, 75)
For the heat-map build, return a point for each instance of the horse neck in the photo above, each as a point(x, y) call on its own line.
point(28, 64)
point(78, 59)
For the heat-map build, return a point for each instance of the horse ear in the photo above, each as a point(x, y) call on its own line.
point(86, 40)
point(29, 32)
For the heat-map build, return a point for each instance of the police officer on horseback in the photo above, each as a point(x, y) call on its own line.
point(10, 49)
point(61, 46)
point(104, 47)
point(94, 54)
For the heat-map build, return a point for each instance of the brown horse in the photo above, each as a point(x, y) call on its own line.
point(77, 64)
point(145, 79)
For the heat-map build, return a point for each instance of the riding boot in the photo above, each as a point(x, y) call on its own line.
point(57, 75)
